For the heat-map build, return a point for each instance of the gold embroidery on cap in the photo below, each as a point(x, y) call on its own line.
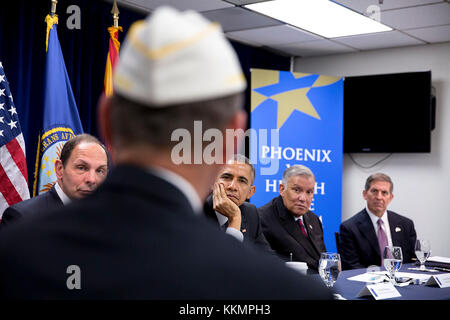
point(122, 81)
point(170, 48)
point(237, 78)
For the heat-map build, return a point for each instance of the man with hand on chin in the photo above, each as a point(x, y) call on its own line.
point(227, 205)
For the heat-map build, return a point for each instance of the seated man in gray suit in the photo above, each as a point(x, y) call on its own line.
point(227, 205)
point(82, 167)
point(291, 229)
point(364, 236)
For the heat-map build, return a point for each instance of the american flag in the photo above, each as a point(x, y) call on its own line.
point(13, 165)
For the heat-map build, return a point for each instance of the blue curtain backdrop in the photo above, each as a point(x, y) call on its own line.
point(22, 50)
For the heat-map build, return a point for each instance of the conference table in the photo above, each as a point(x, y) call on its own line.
point(349, 289)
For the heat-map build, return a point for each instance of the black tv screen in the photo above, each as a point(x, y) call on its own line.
point(387, 113)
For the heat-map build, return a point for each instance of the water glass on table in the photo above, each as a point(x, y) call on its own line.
point(392, 260)
point(423, 251)
point(329, 267)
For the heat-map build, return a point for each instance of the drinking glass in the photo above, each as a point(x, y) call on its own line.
point(329, 267)
point(392, 260)
point(423, 250)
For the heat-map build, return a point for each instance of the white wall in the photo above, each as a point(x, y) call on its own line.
point(421, 181)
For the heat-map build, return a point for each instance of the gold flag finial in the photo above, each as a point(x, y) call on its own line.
point(115, 11)
point(53, 10)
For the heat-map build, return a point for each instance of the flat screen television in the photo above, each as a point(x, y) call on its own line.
point(388, 113)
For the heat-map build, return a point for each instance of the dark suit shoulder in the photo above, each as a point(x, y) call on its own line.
point(42, 202)
point(249, 209)
point(248, 205)
point(360, 216)
point(268, 208)
point(398, 217)
point(312, 215)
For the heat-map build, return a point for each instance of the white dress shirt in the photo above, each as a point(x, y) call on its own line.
point(385, 227)
point(64, 198)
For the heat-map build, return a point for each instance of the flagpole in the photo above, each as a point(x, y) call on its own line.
point(53, 10)
point(115, 12)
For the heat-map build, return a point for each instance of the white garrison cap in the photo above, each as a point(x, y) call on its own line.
point(177, 57)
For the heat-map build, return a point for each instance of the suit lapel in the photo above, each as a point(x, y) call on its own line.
point(396, 229)
point(289, 224)
point(310, 230)
point(243, 221)
point(55, 196)
point(367, 230)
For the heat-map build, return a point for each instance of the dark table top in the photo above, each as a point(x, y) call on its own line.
point(349, 289)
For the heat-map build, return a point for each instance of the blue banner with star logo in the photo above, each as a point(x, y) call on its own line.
point(297, 118)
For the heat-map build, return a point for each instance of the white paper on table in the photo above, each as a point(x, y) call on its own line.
point(379, 291)
point(371, 277)
point(442, 280)
point(439, 259)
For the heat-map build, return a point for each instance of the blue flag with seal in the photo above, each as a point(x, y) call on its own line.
point(298, 119)
point(61, 120)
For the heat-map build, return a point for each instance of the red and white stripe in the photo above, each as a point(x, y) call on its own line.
point(13, 173)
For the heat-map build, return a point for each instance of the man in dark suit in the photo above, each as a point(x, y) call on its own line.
point(364, 236)
point(227, 205)
point(292, 230)
point(81, 168)
point(141, 234)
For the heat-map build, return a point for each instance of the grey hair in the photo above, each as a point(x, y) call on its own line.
point(296, 170)
point(243, 159)
point(379, 176)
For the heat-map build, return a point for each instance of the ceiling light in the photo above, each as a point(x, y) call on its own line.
point(321, 17)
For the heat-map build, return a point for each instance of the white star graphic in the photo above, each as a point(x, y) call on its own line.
point(12, 110)
point(1, 119)
point(1, 66)
point(2, 92)
point(10, 96)
point(1, 133)
point(2, 78)
point(12, 124)
point(1, 106)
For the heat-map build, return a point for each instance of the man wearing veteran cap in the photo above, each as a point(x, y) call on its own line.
point(141, 236)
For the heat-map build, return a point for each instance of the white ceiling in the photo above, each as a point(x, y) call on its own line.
point(415, 22)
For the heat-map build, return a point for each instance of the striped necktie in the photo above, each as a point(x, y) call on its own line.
point(302, 227)
point(382, 238)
